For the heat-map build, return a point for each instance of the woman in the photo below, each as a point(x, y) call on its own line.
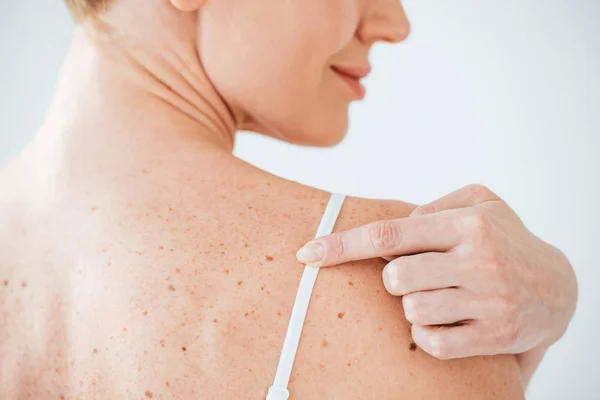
point(142, 260)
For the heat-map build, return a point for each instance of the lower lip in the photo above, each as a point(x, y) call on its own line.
point(353, 84)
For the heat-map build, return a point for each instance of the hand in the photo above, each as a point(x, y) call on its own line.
point(473, 279)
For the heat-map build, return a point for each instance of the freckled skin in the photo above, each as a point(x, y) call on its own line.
point(123, 331)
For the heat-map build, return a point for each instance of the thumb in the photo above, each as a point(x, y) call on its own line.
point(468, 196)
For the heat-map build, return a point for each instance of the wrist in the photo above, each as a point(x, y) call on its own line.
point(564, 297)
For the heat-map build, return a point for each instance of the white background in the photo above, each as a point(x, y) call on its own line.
point(506, 94)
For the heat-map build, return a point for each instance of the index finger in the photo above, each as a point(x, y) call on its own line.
point(403, 236)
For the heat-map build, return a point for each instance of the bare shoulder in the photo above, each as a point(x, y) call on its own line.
point(367, 337)
point(12, 209)
point(359, 211)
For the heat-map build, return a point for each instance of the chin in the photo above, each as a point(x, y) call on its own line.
point(311, 136)
point(328, 140)
point(330, 137)
point(321, 132)
point(320, 138)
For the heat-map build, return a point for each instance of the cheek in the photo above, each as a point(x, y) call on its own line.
point(272, 67)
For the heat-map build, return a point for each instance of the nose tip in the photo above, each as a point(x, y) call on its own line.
point(399, 23)
point(386, 22)
point(400, 32)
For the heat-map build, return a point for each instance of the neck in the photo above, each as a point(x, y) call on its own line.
point(112, 91)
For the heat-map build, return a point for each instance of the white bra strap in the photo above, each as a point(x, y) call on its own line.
point(290, 345)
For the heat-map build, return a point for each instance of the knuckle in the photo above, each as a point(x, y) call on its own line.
point(412, 309)
point(439, 347)
point(509, 305)
point(482, 255)
point(385, 235)
point(478, 191)
point(429, 208)
point(494, 261)
point(506, 298)
point(337, 246)
point(478, 224)
point(506, 334)
point(492, 267)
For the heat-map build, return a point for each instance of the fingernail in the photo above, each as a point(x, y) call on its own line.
point(418, 211)
point(435, 347)
point(310, 253)
point(419, 335)
point(390, 279)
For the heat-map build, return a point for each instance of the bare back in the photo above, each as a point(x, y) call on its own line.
point(175, 279)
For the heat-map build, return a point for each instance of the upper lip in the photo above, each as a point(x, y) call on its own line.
point(356, 72)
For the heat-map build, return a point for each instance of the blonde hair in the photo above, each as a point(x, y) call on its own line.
point(84, 9)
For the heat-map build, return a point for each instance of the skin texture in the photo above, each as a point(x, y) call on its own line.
point(472, 278)
point(140, 259)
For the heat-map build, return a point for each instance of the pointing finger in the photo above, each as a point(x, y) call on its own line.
point(384, 238)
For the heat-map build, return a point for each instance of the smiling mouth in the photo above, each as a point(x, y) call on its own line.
point(351, 76)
